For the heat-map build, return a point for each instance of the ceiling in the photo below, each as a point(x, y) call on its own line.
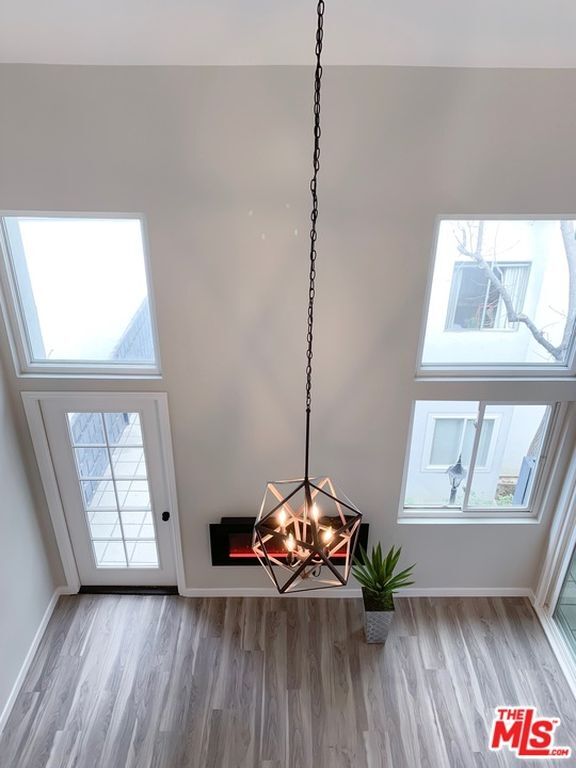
point(475, 33)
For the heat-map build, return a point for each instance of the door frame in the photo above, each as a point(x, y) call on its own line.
point(560, 548)
point(32, 407)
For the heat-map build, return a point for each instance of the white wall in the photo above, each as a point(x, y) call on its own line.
point(26, 581)
point(218, 160)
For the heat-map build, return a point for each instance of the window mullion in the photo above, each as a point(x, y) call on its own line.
point(479, 423)
point(462, 434)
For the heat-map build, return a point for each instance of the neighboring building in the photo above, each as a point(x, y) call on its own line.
point(467, 320)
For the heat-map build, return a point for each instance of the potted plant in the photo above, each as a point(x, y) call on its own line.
point(379, 582)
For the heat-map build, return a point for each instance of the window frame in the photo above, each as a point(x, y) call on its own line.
point(15, 322)
point(433, 418)
point(543, 482)
point(460, 268)
point(476, 370)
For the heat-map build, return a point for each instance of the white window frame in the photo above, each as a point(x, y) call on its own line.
point(11, 305)
point(516, 370)
point(454, 296)
point(543, 487)
point(429, 439)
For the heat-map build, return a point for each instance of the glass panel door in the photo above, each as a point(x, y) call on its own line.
point(107, 454)
point(565, 612)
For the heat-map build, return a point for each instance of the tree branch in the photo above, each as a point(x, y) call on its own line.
point(513, 316)
point(568, 238)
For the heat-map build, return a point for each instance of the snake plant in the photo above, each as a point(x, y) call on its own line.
point(376, 575)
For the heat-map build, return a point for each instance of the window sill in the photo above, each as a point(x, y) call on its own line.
point(504, 374)
point(435, 517)
point(90, 375)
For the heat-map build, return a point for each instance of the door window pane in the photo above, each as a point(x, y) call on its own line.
point(136, 517)
point(500, 295)
point(142, 554)
point(98, 495)
point(129, 463)
point(109, 554)
point(86, 429)
point(105, 526)
point(82, 290)
point(133, 494)
point(123, 429)
point(114, 488)
point(92, 462)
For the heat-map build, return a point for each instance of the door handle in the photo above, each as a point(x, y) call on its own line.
point(165, 516)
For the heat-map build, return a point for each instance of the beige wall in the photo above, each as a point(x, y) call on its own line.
point(217, 160)
point(26, 581)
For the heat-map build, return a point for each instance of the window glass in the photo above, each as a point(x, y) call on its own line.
point(470, 456)
point(447, 441)
point(82, 290)
point(484, 443)
point(476, 303)
point(455, 437)
point(116, 496)
point(501, 294)
point(437, 436)
point(510, 482)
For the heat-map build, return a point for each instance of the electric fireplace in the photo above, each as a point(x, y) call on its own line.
point(231, 542)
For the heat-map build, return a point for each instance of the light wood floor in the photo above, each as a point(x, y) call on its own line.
point(136, 682)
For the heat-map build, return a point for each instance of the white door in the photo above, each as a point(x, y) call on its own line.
point(107, 456)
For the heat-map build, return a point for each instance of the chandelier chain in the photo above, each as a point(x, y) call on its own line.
point(313, 219)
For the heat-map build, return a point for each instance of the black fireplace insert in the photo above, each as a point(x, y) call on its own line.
point(231, 541)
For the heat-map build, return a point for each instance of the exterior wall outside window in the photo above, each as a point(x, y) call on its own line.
point(542, 250)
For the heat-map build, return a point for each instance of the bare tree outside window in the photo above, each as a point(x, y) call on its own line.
point(471, 243)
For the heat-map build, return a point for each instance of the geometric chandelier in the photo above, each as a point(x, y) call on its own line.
point(305, 534)
point(306, 531)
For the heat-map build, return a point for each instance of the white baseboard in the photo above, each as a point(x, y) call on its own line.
point(266, 592)
point(467, 592)
point(356, 592)
point(30, 655)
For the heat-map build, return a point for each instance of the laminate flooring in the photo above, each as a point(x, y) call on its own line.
point(169, 682)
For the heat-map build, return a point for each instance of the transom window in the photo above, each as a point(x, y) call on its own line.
point(492, 277)
point(80, 294)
